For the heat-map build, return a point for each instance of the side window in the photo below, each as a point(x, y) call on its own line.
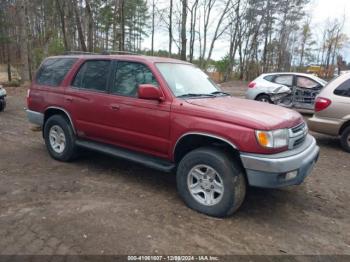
point(53, 71)
point(93, 75)
point(284, 80)
point(269, 78)
point(343, 89)
point(305, 82)
point(129, 75)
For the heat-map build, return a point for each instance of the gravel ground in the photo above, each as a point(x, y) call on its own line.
point(102, 205)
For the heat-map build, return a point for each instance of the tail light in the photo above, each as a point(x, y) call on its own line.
point(28, 94)
point(322, 103)
point(252, 85)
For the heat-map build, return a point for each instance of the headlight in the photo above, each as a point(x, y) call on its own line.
point(273, 139)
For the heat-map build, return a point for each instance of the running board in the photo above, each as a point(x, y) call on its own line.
point(149, 161)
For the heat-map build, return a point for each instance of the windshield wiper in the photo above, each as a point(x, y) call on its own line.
point(196, 95)
point(220, 93)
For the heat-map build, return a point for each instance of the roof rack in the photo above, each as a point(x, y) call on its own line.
point(78, 53)
point(111, 52)
point(105, 52)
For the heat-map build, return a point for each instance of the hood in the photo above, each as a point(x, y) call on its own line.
point(249, 113)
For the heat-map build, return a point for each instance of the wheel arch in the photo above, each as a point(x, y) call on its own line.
point(262, 93)
point(193, 140)
point(343, 127)
point(52, 110)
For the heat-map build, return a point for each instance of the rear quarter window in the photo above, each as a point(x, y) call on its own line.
point(269, 78)
point(343, 89)
point(53, 71)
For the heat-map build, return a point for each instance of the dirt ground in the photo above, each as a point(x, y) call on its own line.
point(102, 205)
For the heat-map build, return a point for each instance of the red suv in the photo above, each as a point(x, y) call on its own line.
point(168, 115)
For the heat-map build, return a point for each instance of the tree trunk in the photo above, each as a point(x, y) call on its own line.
point(193, 28)
point(63, 23)
point(24, 70)
point(78, 24)
point(90, 39)
point(152, 36)
point(183, 30)
point(9, 76)
point(122, 26)
point(170, 27)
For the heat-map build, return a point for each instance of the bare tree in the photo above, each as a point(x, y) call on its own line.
point(152, 32)
point(122, 25)
point(60, 8)
point(79, 25)
point(90, 32)
point(170, 27)
point(24, 70)
point(183, 29)
point(193, 11)
point(219, 30)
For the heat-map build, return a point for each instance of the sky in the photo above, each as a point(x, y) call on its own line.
point(320, 10)
point(330, 9)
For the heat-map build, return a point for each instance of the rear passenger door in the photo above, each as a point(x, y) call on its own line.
point(87, 99)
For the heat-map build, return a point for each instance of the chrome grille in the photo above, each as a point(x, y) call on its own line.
point(298, 128)
point(297, 135)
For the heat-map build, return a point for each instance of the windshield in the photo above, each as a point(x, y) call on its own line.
point(187, 80)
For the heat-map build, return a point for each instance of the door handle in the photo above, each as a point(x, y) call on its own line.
point(115, 107)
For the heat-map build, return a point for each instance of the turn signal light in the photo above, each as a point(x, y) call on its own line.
point(263, 139)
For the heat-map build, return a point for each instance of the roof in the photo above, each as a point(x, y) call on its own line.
point(294, 73)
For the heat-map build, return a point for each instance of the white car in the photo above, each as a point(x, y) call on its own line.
point(294, 90)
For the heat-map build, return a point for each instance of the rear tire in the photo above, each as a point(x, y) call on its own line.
point(264, 98)
point(345, 139)
point(211, 182)
point(59, 138)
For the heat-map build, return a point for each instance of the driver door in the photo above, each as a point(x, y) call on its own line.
point(139, 124)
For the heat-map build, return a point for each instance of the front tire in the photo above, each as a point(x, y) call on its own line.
point(59, 138)
point(345, 139)
point(211, 182)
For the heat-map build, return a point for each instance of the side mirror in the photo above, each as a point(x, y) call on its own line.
point(149, 92)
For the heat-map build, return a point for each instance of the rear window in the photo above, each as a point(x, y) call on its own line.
point(343, 89)
point(53, 71)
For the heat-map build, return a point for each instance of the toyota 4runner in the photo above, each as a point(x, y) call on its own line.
point(168, 115)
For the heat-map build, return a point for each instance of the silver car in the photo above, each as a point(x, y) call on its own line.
point(293, 90)
point(332, 108)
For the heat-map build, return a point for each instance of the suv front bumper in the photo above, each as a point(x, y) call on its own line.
point(282, 169)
